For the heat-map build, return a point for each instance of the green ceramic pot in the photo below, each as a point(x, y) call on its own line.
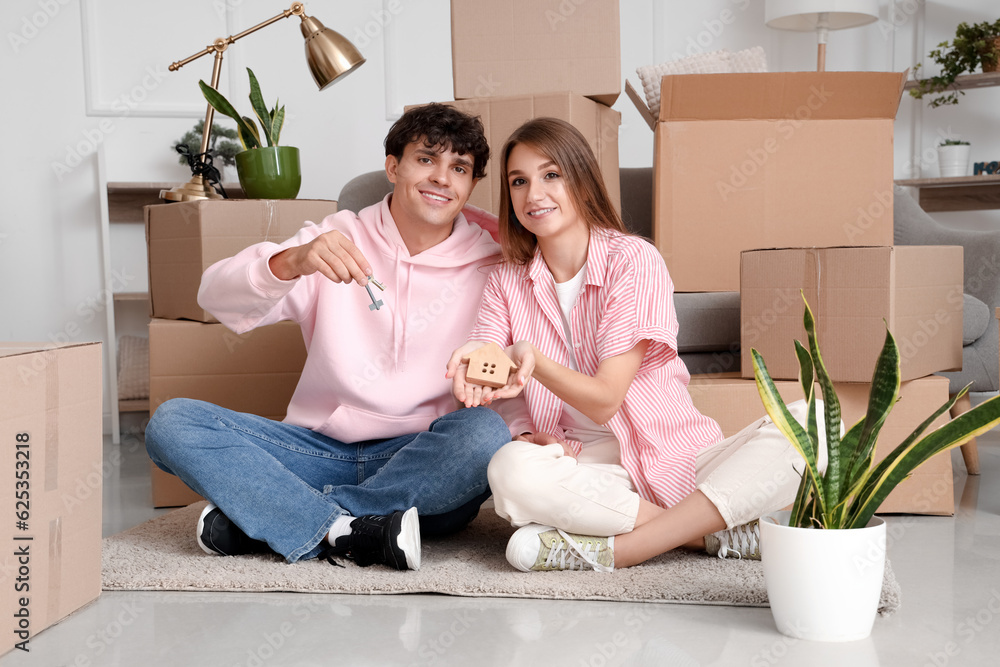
point(269, 173)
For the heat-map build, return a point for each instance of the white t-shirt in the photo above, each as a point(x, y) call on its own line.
point(599, 444)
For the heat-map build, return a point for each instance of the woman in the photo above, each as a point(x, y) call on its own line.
point(613, 464)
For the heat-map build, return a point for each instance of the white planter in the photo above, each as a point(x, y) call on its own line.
point(953, 160)
point(823, 585)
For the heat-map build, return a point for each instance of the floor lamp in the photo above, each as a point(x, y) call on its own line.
point(819, 16)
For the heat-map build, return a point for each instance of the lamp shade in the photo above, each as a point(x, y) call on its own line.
point(330, 55)
point(810, 15)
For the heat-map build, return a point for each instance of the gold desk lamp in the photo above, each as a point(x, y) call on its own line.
point(329, 54)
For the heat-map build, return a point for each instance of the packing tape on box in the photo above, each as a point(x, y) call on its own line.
point(51, 420)
point(267, 219)
point(55, 567)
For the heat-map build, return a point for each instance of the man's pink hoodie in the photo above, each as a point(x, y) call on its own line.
point(369, 373)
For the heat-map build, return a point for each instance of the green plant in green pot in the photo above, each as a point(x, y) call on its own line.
point(975, 46)
point(824, 560)
point(265, 172)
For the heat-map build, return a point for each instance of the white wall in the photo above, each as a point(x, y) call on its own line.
point(83, 72)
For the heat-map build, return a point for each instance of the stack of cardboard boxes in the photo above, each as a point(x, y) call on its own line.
point(191, 355)
point(774, 183)
point(522, 59)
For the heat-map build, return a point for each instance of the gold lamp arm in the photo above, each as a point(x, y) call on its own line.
point(218, 47)
point(221, 44)
point(330, 57)
point(196, 187)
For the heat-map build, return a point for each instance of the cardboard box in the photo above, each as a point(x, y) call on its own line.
point(502, 115)
point(51, 430)
point(529, 47)
point(186, 238)
point(854, 293)
point(734, 402)
point(769, 160)
point(255, 372)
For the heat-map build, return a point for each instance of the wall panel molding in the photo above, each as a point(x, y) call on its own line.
point(133, 101)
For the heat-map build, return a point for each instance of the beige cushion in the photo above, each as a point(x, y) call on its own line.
point(748, 60)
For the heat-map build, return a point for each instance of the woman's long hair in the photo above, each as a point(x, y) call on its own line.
point(563, 144)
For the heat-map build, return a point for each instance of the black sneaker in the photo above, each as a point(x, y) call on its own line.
point(392, 540)
point(218, 535)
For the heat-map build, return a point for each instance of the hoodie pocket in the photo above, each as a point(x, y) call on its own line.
point(350, 424)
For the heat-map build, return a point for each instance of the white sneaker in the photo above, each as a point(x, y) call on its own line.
point(740, 542)
point(544, 548)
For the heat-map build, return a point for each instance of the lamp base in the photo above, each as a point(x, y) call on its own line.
point(193, 190)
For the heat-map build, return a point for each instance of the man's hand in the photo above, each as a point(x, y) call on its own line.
point(332, 254)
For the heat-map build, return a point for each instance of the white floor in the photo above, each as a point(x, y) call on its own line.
point(948, 567)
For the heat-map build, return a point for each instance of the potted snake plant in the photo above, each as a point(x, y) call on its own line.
point(265, 172)
point(824, 560)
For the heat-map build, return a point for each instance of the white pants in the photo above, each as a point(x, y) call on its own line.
point(745, 476)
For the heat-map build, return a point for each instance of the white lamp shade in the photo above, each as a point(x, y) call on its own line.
point(810, 15)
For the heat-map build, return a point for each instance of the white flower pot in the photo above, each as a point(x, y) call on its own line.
point(823, 585)
point(953, 160)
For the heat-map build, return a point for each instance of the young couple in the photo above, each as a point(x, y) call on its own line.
point(610, 465)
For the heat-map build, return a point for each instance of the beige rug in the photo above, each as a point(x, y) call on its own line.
point(162, 555)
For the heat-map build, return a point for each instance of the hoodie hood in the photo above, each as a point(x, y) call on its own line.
point(469, 244)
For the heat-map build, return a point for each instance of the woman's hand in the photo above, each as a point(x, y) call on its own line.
point(521, 353)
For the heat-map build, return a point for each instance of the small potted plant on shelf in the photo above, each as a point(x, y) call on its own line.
point(974, 46)
point(223, 152)
point(265, 172)
point(953, 157)
point(824, 560)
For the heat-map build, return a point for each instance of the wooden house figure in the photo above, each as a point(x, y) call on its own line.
point(489, 366)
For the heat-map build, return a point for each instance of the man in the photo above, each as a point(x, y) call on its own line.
point(371, 451)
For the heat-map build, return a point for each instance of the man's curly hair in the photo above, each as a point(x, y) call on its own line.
point(441, 127)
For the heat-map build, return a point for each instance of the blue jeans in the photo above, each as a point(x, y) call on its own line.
point(285, 484)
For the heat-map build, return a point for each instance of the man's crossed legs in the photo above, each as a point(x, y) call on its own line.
point(286, 485)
